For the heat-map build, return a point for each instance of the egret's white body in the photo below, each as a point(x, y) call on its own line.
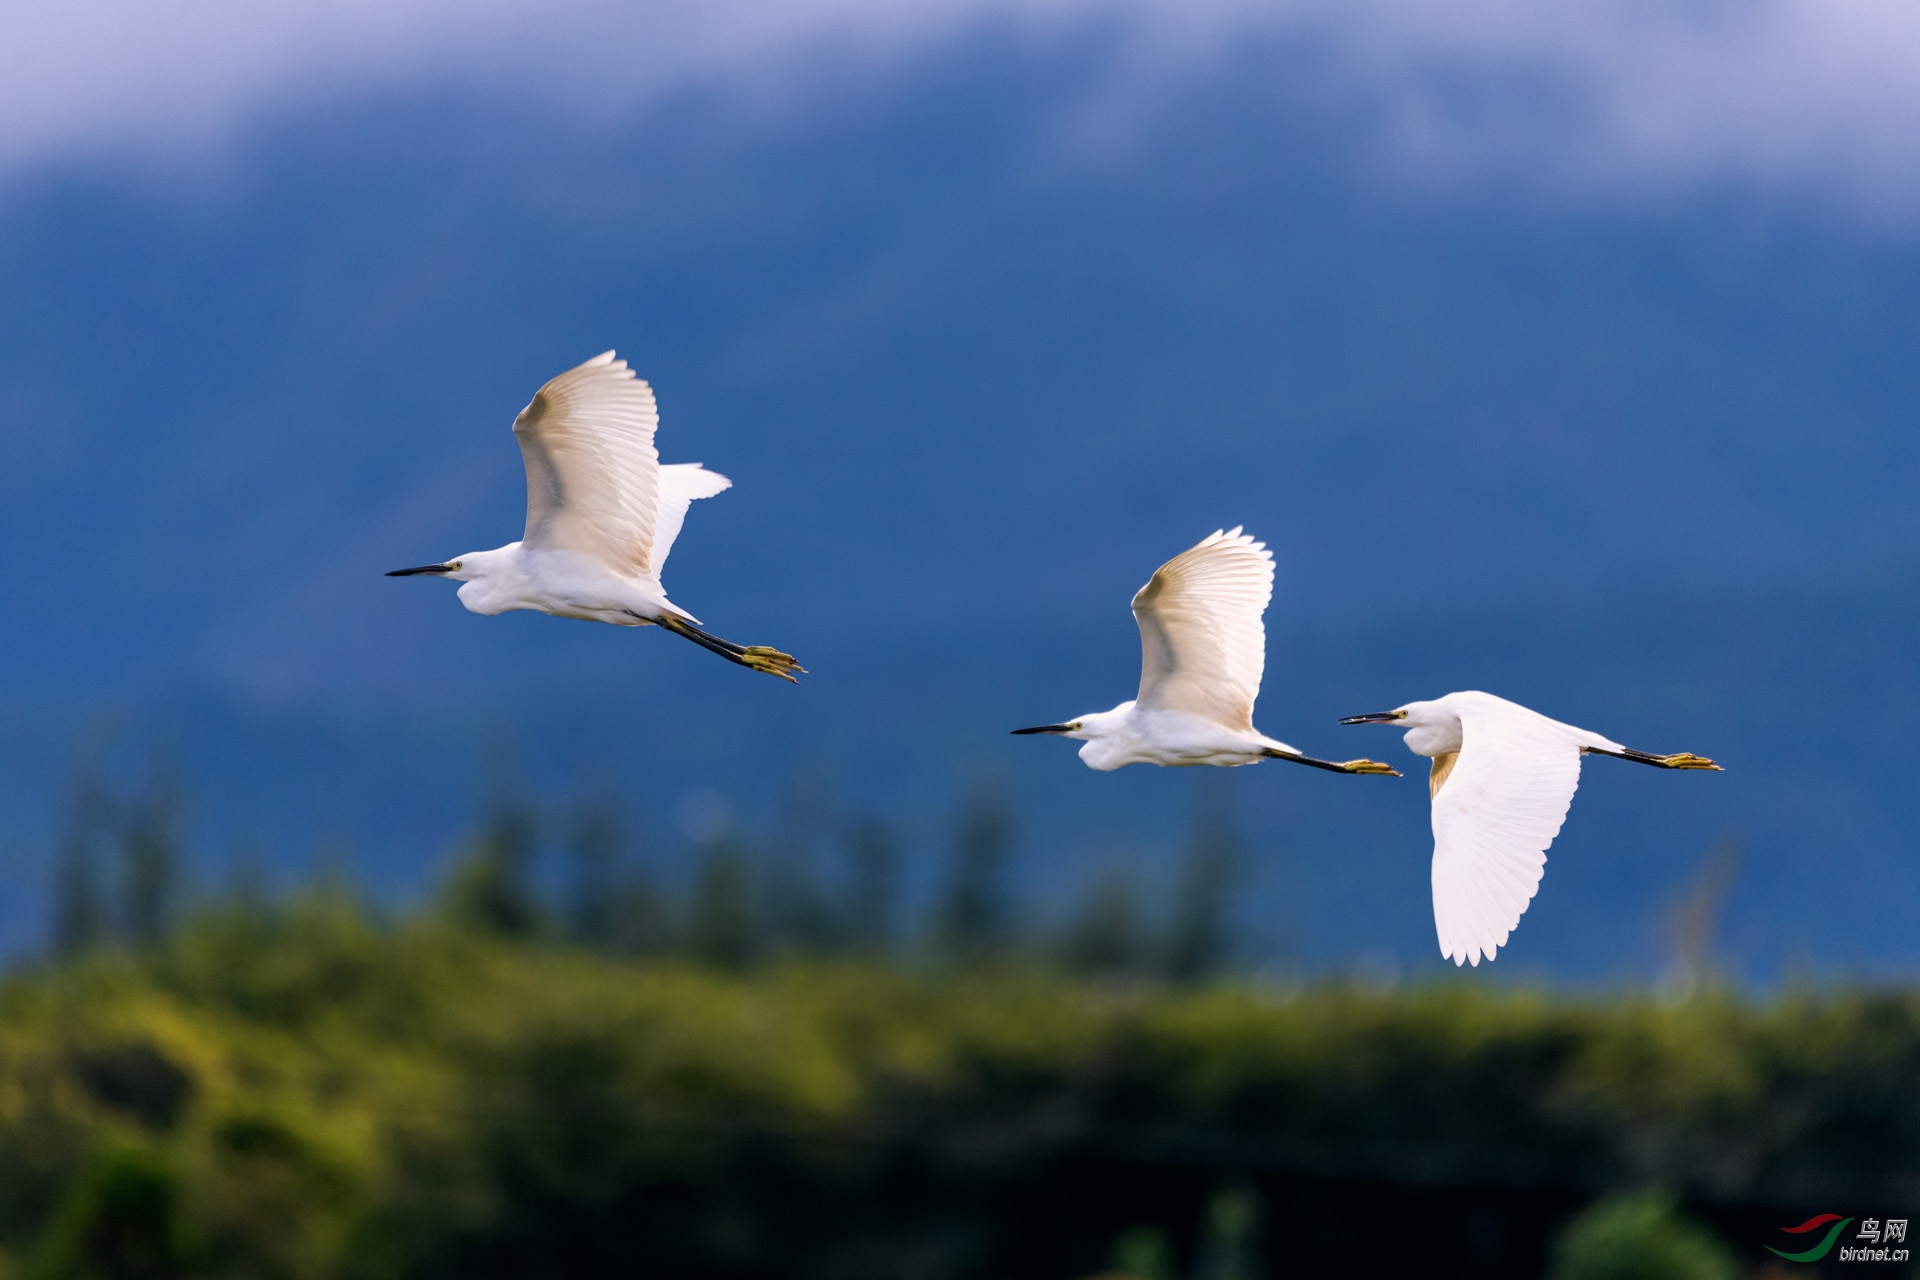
point(1203, 651)
point(1501, 782)
point(602, 514)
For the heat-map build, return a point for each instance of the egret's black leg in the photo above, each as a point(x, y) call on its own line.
point(1337, 766)
point(757, 657)
point(1679, 760)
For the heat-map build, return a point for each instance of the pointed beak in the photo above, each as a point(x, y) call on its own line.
point(425, 568)
point(1374, 717)
point(1047, 728)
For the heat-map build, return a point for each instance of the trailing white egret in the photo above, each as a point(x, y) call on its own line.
point(1203, 650)
point(1502, 780)
point(602, 514)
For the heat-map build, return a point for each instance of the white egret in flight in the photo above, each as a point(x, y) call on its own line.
point(1502, 780)
point(602, 513)
point(1203, 649)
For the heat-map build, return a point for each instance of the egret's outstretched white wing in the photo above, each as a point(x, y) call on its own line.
point(592, 473)
point(680, 484)
point(1202, 645)
point(1493, 818)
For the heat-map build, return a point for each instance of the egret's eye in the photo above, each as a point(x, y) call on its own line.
point(456, 568)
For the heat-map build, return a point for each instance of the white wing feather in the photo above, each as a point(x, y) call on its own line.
point(680, 484)
point(592, 473)
point(1495, 815)
point(1202, 645)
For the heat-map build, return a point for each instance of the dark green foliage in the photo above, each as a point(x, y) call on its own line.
point(294, 1090)
point(1141, 1254)
point(134, 1077)
point(137, 843)
point(1228, 1244)
point(799, 914)
point(151, 877)
point(1640, 1236)
point(120, 1220)
point(79, 910)
point(973, 919)
point(720, 924)
point(643, 922)
point(1110, 936)
point(800, 917)
point(490, 889)
point(873, 857)
point(299, 1090)
point(1197, 945)
point(596, 847)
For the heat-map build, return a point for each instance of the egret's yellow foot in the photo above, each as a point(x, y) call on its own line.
point(1368, 766)
point(1678, 760)
point(755, 657)
point(771, 661)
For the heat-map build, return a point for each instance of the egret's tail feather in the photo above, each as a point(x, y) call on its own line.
point(1678, 760)
point(757, 657)
point(1337, 766)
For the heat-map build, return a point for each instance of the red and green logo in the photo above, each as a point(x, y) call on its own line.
point(1814, 1223)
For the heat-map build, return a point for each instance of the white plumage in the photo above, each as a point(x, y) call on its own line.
point(1203, 647)
point(1203, 651)
point(681, 483)
point(1502, 780)
point(593, 475)
point(602, 514)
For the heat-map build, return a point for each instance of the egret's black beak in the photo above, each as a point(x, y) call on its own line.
point(1374, 717)
point(1047, 728)
point(425, 568)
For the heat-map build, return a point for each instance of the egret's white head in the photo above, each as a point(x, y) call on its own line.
point(1104, 732)
point(1433, 729)
point(491, 584)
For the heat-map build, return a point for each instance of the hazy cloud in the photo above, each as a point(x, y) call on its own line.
point(1807, 94)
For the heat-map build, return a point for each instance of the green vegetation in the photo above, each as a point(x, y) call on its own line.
point(1640, 1236)
point(757, 1078)
point(298, 1090)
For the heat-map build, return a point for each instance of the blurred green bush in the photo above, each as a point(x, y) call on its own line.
point(296, 1089)
point(1640, 1235)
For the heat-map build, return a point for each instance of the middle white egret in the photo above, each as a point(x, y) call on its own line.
point(1203, 650)
point(602, 513)
point(1503, 778)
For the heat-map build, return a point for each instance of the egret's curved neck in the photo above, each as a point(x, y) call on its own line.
point(1439, 737)
point(1110, 737)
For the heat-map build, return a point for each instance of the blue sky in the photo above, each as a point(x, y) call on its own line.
point(1563, 355)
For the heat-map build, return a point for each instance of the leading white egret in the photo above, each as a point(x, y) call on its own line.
point(1203, 649)
point(1502, 780)
point(602, 514)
